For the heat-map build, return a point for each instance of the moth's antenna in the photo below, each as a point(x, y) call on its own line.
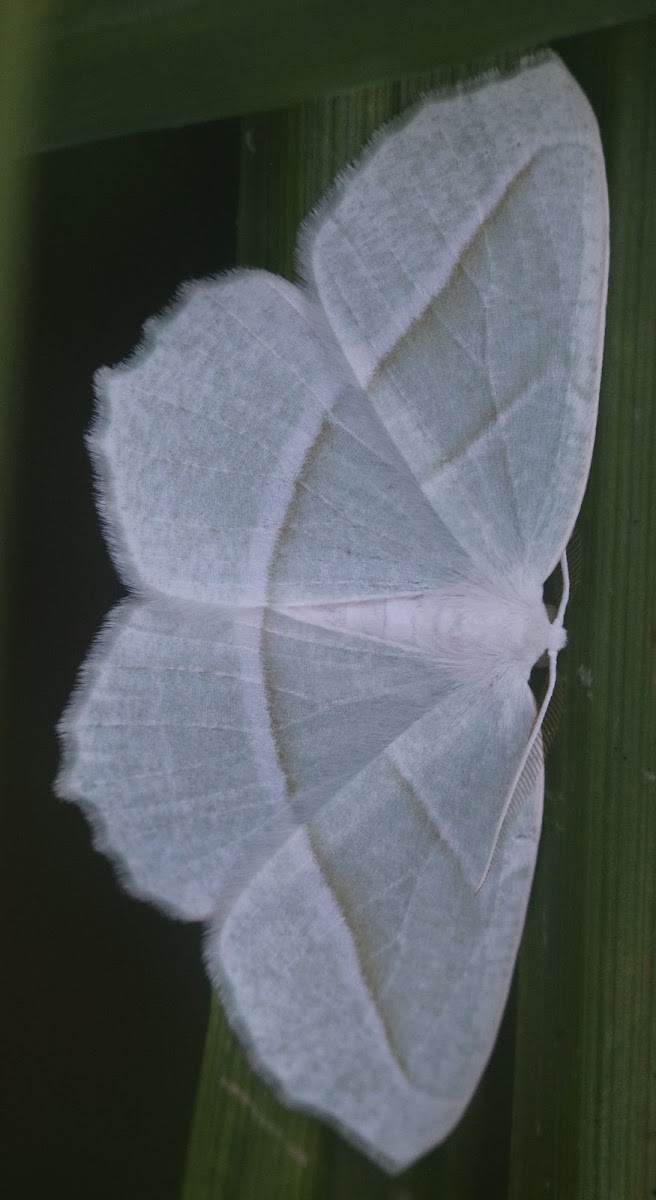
point(537, 725)
point(564, 599)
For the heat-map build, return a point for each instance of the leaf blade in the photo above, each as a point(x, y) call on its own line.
point(583, 1109)
point(128, 67)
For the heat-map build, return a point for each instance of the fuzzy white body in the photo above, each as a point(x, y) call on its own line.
point(472, 630)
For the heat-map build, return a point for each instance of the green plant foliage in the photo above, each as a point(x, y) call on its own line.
point(288, 159)
point(17, 99)
point(578, 1122)
point(584, 1091)
point(132, 65)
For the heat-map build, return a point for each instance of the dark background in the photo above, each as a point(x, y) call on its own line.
point(107, 999)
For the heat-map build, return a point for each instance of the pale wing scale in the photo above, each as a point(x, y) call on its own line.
point(366, 976)
point(240, 463)
point(200, 738)
point(162, 750)
point(462, 266)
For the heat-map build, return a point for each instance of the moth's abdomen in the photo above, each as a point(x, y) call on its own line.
point(403, 620)
point(470, 630)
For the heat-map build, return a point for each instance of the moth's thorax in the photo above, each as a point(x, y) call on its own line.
point(470, 629)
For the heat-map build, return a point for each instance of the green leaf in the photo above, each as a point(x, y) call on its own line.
point(17, 79)
point(244, 1144)
point(582, 1126)
point(131, 65)
point(584, 1091)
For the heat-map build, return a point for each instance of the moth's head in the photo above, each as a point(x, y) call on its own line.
point(554, 630)
point(549, 634)
point(534, 629)
point(556, 634)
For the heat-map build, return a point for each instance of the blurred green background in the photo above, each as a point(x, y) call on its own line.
point(145, 144)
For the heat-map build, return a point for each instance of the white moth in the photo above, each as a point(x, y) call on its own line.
point(335, 507)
